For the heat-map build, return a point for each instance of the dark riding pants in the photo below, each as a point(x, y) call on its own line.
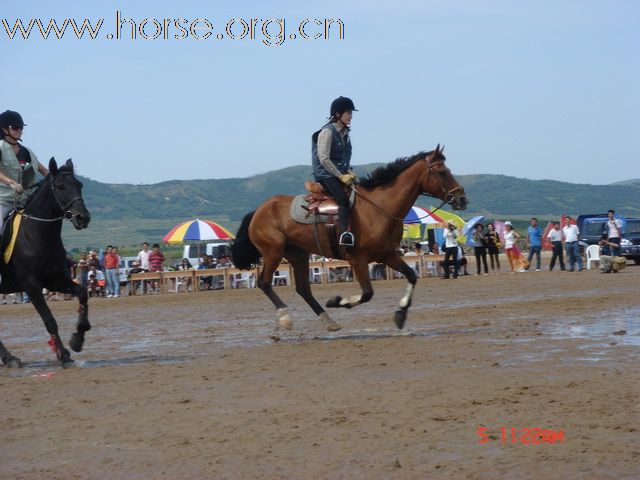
point(336, 190)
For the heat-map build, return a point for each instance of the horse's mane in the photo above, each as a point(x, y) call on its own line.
point(382, 175)
point(43, 181)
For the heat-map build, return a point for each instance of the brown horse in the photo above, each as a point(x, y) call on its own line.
point(382, 201)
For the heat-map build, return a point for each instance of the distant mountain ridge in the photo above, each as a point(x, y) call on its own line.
point(230, 199)
point(124, 214)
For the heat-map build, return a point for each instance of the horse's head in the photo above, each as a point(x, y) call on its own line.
point(67, 190)
point(439, 182)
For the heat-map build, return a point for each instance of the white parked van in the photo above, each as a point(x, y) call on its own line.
point(194, 251)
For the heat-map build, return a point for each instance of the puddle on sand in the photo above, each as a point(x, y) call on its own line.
point(374, 333)
point(622, 327)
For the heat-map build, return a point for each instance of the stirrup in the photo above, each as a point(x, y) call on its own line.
point(347, 239)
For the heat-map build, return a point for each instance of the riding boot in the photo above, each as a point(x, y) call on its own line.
point(347, 239)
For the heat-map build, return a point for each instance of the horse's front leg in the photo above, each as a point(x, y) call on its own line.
point(8, 359)
point(399, 265)
point(83, 325)
point(38, 301)
point(361, 271)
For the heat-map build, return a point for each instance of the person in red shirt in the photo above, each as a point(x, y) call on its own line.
point(111, 263)
point(156, 259)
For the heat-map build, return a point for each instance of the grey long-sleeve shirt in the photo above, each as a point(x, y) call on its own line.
point(324, 148)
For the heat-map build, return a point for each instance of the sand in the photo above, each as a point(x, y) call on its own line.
point(182, 386)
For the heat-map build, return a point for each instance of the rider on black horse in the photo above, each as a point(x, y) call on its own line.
point(18, 165)
point(331, 159)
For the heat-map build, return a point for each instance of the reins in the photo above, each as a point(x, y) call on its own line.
point(67, 214)
point(449, 196)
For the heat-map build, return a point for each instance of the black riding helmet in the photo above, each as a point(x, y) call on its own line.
point(9, 118)
point(340, 105)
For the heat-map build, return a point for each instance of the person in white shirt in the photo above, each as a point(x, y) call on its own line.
point(571, 232)
point(143, 259)
point(450, 250)
point(614, 232)
point(555, 236)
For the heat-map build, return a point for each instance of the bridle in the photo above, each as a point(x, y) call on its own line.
point(449, 195)
point(66, 213)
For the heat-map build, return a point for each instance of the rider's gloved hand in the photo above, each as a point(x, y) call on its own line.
point(17, 188)
point(347, 178)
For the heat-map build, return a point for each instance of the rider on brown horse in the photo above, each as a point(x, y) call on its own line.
point(331, 159)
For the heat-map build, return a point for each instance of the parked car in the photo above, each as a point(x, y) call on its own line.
point(630, 245)
point(195, 250)
point(593, 226)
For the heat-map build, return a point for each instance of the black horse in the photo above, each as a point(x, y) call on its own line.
point(38, 258)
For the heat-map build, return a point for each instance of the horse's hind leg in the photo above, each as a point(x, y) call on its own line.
point(38, 301)
point(264, 284)
point(300, 262)
point(83, 325)
point(8, 359)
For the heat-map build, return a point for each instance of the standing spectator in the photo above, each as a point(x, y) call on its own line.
point(534, 238)
point(493, 248)
point(614, 232)
point(571, 232)
point(143, 261)
point(480, 248)
point(112, 269)
point(555, 237)
point(510, 247)
point(156, 261)
point(94, 261)
point(450, 250)
point(143, 257)
point(83, 267)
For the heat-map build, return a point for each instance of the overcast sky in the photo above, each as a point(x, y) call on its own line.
point(537, 89)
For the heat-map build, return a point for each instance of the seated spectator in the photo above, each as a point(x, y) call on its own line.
point(462, 263)
point(96, 282)
point(185, 265)
point(133, 285)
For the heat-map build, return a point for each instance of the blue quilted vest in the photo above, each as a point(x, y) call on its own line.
point(340, 154)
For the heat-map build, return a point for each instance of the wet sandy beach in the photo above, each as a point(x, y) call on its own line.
point(190, 386)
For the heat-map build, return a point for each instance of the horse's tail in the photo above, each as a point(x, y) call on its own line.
point(243, 252)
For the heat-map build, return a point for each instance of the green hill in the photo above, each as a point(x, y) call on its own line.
point(125, 214)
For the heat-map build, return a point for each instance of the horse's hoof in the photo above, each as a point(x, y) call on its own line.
point(334, 302)
point(399, 318)
point(76, 342)
point(65, 357)
point(275, 337)
point(12, 362)
point(284, 319)
point(330, 324)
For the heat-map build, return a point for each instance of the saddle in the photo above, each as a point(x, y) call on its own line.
point(318, 201)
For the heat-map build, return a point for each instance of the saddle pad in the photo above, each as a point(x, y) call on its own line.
point(299, 214)
point(15, 226)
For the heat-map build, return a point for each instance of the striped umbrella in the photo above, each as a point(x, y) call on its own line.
point(422, 215)
point(197, 230)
